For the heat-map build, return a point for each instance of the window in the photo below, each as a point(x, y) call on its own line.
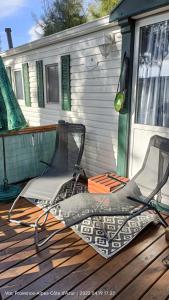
point(153, 76)
point(52, 83)
point(18, 84)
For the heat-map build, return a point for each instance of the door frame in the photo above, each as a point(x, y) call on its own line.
point(141, 23)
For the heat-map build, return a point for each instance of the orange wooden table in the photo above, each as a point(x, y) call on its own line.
point(104, 184)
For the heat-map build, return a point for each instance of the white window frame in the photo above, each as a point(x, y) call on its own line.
point(156, 129)
point(46, 62)
point(14, 83)
point(139, 24)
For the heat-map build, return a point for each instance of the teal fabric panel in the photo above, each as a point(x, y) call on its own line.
point(3, 115)
point(1, 163)
point(40, 83)
point(23, 155)
point(26, 83)
point(11, 115)
point(8, 70)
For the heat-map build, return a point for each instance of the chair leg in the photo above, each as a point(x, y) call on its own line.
point(20, 222)
point(36, 225)
point(124, 223)
point(84, 174)
point(76, 181)
point(163, 222)
point(52, 234)
point(134, 214)
point(116, 233)
point(42, 243)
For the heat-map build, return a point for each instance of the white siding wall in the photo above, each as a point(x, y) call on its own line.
point(92, 92)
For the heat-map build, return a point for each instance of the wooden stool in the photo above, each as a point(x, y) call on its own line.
point(106, 183)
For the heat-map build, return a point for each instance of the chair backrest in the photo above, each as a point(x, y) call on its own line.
point(69, 146)
point(155, 169)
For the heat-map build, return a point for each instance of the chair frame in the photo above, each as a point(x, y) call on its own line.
point(146, 205)
point(78, 171)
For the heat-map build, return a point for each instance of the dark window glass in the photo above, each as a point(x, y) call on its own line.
point(18, 84)
point(52, 83)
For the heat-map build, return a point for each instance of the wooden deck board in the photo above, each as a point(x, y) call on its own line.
point(135, 267)
point(68, 264)
point(139, 286)
point(115, 266)
point(160, 289)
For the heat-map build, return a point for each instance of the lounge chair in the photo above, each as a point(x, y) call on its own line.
point(138, 195)
point(63, 168)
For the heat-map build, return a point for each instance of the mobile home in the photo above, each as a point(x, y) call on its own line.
point(73, 75)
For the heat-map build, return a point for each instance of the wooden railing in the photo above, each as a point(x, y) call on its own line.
point(28, 130)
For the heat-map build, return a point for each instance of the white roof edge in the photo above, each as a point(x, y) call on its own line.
point(73, 32)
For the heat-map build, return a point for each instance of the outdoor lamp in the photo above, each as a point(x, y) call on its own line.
point(105, 44)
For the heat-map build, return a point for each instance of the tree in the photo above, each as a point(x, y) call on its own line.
point(62, 14)
point(101, 8)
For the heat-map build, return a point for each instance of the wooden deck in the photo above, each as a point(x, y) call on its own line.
point(71, 269)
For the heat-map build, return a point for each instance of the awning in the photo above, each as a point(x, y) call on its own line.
point(130, 8)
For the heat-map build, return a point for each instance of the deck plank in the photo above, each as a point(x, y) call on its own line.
point(45, 262)
point(77, 277)
point(21, 261)
point(119, 262)
point(68, 259)
point(139, 286)
point(134, 268)
point(4, 209)
point(68, 264)
point(11, 229)
point(160, 290)
point(18, 244)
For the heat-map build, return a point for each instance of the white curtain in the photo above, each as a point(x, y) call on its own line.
point(153, 76)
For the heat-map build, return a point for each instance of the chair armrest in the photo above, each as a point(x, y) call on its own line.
point(44, 162)
point(140, 201)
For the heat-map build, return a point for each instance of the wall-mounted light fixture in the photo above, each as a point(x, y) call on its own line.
point(105, 44)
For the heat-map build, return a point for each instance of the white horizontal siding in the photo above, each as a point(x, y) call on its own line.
point(92, 94)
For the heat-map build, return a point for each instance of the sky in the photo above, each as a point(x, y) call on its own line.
point(18, 14)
